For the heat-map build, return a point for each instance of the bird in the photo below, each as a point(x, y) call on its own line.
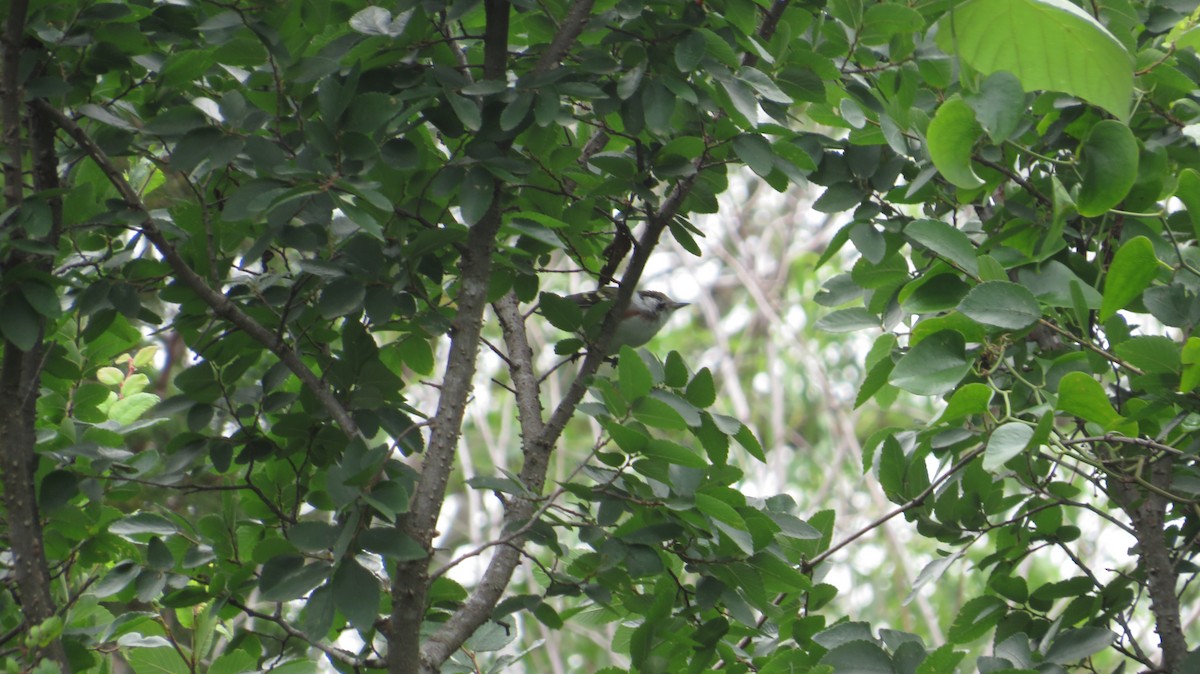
point(647, 313)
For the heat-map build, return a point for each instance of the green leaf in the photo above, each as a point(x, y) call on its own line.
point(934, 366)
point(42, 299)
point(975, 618)
point(944, 659)
point(467, 111)
point(945, 240)
point(999, 105)
point(877, 376)
point(634, 377)
point(475, 198)
point(1082, 396)
point(673, 452)
point(1188, 191)
point(1006, 441)
point(286, 577)
point(164, 660)
point(719, 510)
point(750, 443)
point(701, 391)
point(859, 657)
point(341, 297)
point(561, 312)
point(130, 408)
point(968, 400)
point(1071, 646)
point(116, 579)
point(1133, 268)
point(313, 536)
point(1109, 158)
point(764, 85)
point(882, 21)
point(1047, 44)
point(143, 523)
point(21, 325)
point(110, 376)
point(690, 50)
point(392, 543)
point(1001, 304)
point(1151, 353)
point(951, 138)
point(1174, 305)
point(658, 414)
point(687, 411)
point(356, 594)
point(848, 320)
point(753, 149)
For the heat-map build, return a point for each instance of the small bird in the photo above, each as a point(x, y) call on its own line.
point(647, 313)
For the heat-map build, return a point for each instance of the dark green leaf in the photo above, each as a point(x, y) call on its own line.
point(21, 325)
point(634, 376)
point(934, 366)
point(1110, 161)
point(999, 105)
point(356, 594)
point(341, 297)
point(1071, 646)
point(286, 577)
point(476, 196)
point(975, 618)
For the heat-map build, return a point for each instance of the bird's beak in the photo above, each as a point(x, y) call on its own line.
point(679, 305)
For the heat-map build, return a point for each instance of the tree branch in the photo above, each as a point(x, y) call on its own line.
point(221, 305)
point(568, 31)
point(20, 369)
point(519, 510)
point(1147, 510)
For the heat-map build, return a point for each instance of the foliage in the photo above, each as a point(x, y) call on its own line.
point(240, 237)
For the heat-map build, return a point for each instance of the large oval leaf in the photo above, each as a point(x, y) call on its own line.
point(951, 136)
point(934, 366)
point(1047, 44)
point(1006, 442)
point(946, 240)
point(1001, 304)
point(1110, 164)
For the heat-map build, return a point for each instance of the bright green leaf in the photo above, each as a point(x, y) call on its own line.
point(1082, 396)
point(951, 137)
point(1047, 44)
point(1133, 268)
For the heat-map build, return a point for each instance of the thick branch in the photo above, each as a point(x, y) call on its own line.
point(518, 511)
point(20, 370)
point(568, 31)
point(1147, 511)
point(221, 305)
point(410, 585)
point(10, 99)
